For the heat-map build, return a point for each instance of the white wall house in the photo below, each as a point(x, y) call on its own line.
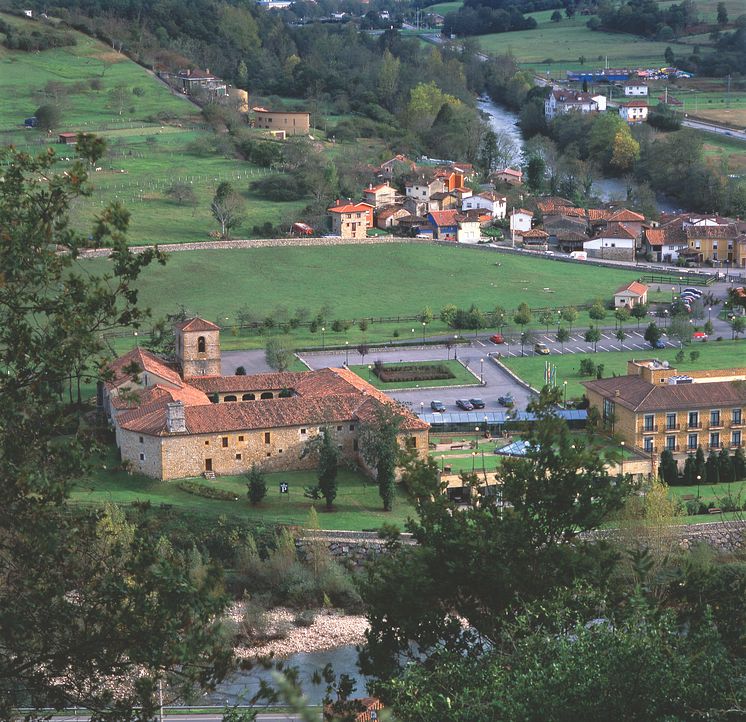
point(421, 189)
point(520, 220)
point(600, 102)
point(636, 111)
point(468, 231)
point(488, 201)
point(562, 101)
point(636, 90)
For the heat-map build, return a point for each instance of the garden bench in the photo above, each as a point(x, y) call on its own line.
point(688, 497)
point(715, 510)
point(459, 446)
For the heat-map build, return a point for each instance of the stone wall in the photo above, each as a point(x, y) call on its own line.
point(356, 548)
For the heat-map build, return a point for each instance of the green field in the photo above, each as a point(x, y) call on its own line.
point(444, 8)
point(148, 140)
point(461, 377)
point(358, 505)
point(565, 42)
point(713, 355)
point(363, 281)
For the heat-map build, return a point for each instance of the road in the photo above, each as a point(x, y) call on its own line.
point(189, 717)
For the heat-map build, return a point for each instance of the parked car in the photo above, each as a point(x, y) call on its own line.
point(497, 338)
point(506, 400)
point(476, 403)
point(438, 406)
point(660, 343)
point(699, 336)
point(464, 404)
point(541, 348)
point(693, 291)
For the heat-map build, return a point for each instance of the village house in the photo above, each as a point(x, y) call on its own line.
point(198, 82)
point(664, 244)
point(714, 244)
point(601, 101)
point(380, 195)
point(351, 220)
point(616, 242)
point(291, 122)
point(423, 186)
point(395, 166)
point(489, 201)
point(635, 90)
point(444, 224)
point(534, 239)
point(171, 425)
point(631, 295)
point(442, 201)
point(655, 407)
point(520, 221)
point(635, 111)
point(469, 228)
point(511, 176)
point(389, 216)
point(561, 101)
point(68, 138)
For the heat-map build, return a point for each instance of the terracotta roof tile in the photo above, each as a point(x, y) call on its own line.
point(147, 362)
point(197, 324)
point(445, 218)
point(639, 289)
point(624, 215)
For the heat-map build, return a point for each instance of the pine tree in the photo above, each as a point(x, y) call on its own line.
point(739, 464)
point(712, 468)
point(328, 467)
point(725, 467)
point(690, 471)
point(700, 467)
point(257, 485)
point(668, 471)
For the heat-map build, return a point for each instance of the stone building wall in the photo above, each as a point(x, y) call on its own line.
point(194, 362)
point(132, 445)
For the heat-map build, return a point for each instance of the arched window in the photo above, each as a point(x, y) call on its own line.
point(201, 344)
point(248, 397)
point(230, 398)
point(267, 395)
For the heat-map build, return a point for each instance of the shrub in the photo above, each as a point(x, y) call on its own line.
point(208, 492)
point(240, 371)
point(587, 367)
point(413, 372)
point(306, 618)
point(257, 485)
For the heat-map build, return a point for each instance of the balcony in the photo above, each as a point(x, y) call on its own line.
point(672, 449)
point(736, 444)
point(715, 447)
point(717, 425)
point(694, 427)
point(737, 423)
point(673, 427)
point(650, 429)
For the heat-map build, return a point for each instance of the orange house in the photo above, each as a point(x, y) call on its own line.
point(351, 220)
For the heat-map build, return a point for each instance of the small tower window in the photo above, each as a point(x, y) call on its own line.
point(201, 344)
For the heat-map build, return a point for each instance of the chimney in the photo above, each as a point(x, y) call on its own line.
point(175, 419)
point(617, 393)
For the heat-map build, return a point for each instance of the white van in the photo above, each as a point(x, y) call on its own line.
point(579, 255)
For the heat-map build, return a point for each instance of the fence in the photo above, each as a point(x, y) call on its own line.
point(688, 279)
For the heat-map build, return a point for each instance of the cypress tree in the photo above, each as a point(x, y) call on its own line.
point(739, 464)
point(712, 468)
point(725, 466)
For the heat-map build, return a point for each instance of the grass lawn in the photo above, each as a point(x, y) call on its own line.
point(444, 8)
point(357, 506)
point(350, 280)
point(712, 493)
point(461, 377)
point(563, 43)
point(713, 355)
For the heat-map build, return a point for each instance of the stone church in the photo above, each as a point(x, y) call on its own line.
point(185, 419)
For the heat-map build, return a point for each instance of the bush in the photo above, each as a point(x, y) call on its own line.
point(415, 372)
point(257, 485)
point(207, 492)
point(280, 188)
point(306, 618)
point(587, 367)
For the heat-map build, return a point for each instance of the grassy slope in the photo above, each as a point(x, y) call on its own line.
point(713, 355)
point(566, 41)
point(144, 157)
point(373, 280)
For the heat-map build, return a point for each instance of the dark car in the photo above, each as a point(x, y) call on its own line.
point(438, 406)
point(476, 403)
point(660, 343)
point(464, 404)
point(506, 400)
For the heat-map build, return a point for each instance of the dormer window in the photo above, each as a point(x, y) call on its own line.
point(201, 344)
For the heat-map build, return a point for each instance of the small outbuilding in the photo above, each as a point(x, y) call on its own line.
point(631, 295)
point(68, 138)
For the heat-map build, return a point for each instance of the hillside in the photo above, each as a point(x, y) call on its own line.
point(155, 137)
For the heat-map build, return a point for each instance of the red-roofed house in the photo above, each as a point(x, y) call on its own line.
point(380, 195)
point(632, 294)
point(170, 427)
point(351, 220)
point(444, 224)
point(511, 176)
point(634, 111)
point(616, 242)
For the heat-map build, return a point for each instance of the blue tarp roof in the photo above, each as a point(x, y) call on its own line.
point(492, 418)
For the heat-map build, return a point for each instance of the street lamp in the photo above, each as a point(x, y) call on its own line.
point(665, 318)
point(422, 407)
point(699, 478)
point(369, 368)
point(481, 371)
point(347, 352)
point(564, 385)
point(673, 291)
point(323, 338)
point(423, 331)
point(455, 339)
point(473, 460)
point(476, 434)
point(709, 313)
point(622, 443)
point(442, 462)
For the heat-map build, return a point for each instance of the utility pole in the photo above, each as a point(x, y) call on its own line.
point(160, 700)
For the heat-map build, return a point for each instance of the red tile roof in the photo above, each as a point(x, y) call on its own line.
point(146, 361)
point(661, 236)
point(535, 233)
point(238, 384)
point(351, 208)
point(197, 324)
point(635, 287)
point(445, 218)
point(616, 230)
point(623, 215)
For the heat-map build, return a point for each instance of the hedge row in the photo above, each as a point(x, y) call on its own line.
point(208, 492)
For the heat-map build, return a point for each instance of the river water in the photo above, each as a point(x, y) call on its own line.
point(243, 685)
point(606, 188)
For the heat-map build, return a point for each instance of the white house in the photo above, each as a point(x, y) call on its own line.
point(489, 201)
point(615, 242)
point(468, 230)
point(635, 90)
point(664, 244)
point(600, 102)
point(562, 101)
point(422, 188)
point(636, 111)
point(630, 295)
point(520, 220)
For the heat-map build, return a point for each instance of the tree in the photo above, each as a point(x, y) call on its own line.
point(48, 117)
point(639, 311)
point(708, 328)
point(652, 334)
point(426, 315)
point(625, 151)
point(597, 311)
point(722, 13)
point(738, 326)
point(668, 470)
point(499, 317)
point(725, 467)
point(522, 316)
point(227, 208)
point(622, 315)
point(328, 467)
point(118, 96)
point(535, 172)
point(570, 314)
point(739, 464)
point(563, 335)
point(700, 465)
point(680, 329)
point(669, 57)
point(689, 476)
point(277, 353)
point(693, 356)
point(448, 314)
point(91, 147)
point(68, 629)
point(593, 335)
point(712, 468)
point(380, 448)
point(182, 193)
point(363, 350)
point(556, 16)
point(621, 334)
point(256, 485)
point(546, 318)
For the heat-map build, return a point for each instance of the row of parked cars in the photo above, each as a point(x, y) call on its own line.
point(471, 404)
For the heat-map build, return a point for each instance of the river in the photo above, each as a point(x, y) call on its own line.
point(243, 685)
point(607, 189)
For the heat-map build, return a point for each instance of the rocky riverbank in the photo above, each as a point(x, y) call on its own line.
point(282, 636)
